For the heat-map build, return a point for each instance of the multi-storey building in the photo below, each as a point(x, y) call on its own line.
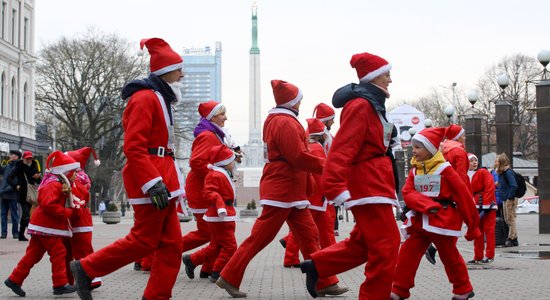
point(17, 125)
point(202, 82)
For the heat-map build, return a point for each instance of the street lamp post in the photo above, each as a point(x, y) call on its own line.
point(472, 128)
point(449, 112)
point(543, 135)
point(504, 120)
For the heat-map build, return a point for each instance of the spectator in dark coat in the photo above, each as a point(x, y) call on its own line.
point(9, 197)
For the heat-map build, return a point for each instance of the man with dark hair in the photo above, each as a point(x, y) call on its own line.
point(9, 197)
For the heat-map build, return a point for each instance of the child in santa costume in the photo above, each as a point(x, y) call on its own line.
point(319, 207)
point(453, 152)
point(219, 191)
point(151, 178)
point(439, 203)
point(282, 191)
point(483, 187)
point(208, 133)
point(49, 224)
point(80, 244)
point(360, 175)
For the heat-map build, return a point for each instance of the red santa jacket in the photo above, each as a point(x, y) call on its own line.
point(51, 216)
point(147, 126)
point(483, 188)
point(421, 198)
point(219, 193)
point(288, 161)
point(358, 152)
point(194, 184)
point(317, 199)
point(81, 221)
point(455, 154)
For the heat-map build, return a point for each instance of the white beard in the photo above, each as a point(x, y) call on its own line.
point(176, 88)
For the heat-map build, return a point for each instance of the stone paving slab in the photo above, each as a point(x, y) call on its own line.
point(506, 278)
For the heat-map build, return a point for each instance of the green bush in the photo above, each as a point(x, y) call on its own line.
point(112, 206)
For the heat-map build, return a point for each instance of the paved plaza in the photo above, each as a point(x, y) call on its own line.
point(508, 277)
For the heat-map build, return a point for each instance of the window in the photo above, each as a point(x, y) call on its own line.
point(2, 94)
point(25, 102)
point(25, 33)
point(13, 100)
point(13, 24)
point(3, 16)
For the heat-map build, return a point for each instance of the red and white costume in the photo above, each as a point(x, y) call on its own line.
point(49, 224)
point(455, 153)
point(434, 185)
point(282, 187)
point(359, 152)
point(194, 185)
point(483, 187)
point(219, 191)
point(148, 142)
point(319, 207)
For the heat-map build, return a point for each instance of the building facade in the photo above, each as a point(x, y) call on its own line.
point(17, 100)
point(202, 82)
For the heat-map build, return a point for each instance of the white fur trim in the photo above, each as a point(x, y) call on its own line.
point(370, 200)
point(327, 118)
point(293, 102)
point(220, 219)
point(149, 184)
point(442, 231)
point(82, 229)
point(198, 210)
point(370, 76)
point(97, 279)
point(300, 204)
point(64, 168)
point(319, 208)
point(225, 162)
point(214, 111)
point(427, 144)
point(97, 162)
point(458, 135)
point(168, 69)
point(281, 111)
point(222, 212)
point(345, 195)
point(146, 200)
point(48, 230)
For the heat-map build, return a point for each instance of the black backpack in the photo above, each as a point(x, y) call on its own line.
point(520, 180)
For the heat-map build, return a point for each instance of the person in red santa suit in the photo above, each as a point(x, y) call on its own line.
point(319, 207)
point(49, 225)
point(439, 203)
point(219, 191)
point(362, 149)
point(80, 244)
point(151, 179)
point(454, 152)
point(283, 191)
point(483, 187)
point(208, 133)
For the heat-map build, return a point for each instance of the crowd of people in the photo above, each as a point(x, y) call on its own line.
point(308, 174)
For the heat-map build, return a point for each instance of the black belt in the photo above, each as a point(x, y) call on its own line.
point(446, 203)
point(161, 152)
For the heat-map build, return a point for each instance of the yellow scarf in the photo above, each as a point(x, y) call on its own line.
point(428, 166)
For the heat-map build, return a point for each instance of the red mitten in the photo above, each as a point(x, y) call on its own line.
point(472, 234)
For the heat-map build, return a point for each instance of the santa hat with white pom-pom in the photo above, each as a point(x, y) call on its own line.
point(163, 59)
point(81, 156)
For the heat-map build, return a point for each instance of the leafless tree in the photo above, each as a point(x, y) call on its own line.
point(78, 95)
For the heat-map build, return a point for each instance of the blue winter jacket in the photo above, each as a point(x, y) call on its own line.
point(6, 191)
point(507, 184)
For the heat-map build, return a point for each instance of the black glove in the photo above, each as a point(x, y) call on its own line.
point(159, 195)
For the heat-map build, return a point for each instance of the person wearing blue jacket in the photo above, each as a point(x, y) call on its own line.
point(507, 189)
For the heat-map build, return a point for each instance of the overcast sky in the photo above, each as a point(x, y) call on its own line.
point(430, 43)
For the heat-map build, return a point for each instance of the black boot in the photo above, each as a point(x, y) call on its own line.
point(214, 277)
point(15, 287)
point(204, 274)
point(189, 266)
point(82, 281)
point(430, 254)
point(283, 243)
point(137, 266)
point(22, 228)
point(515, 242)
point(66, 289)
point(312, 277)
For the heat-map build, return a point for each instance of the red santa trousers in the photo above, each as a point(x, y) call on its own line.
point(375, 238)
point(487, 227)
point(325, 224)
point(198, 238)
point(154, 230)
point(221, 248)
point(264, 231)
point(411, 254)
point(77, 247)
point(38, 245)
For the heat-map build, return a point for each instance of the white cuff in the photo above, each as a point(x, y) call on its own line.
point(343, 197)
point(149, 184)
point(222, 212)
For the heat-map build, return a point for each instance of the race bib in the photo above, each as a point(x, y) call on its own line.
point(429, 185)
